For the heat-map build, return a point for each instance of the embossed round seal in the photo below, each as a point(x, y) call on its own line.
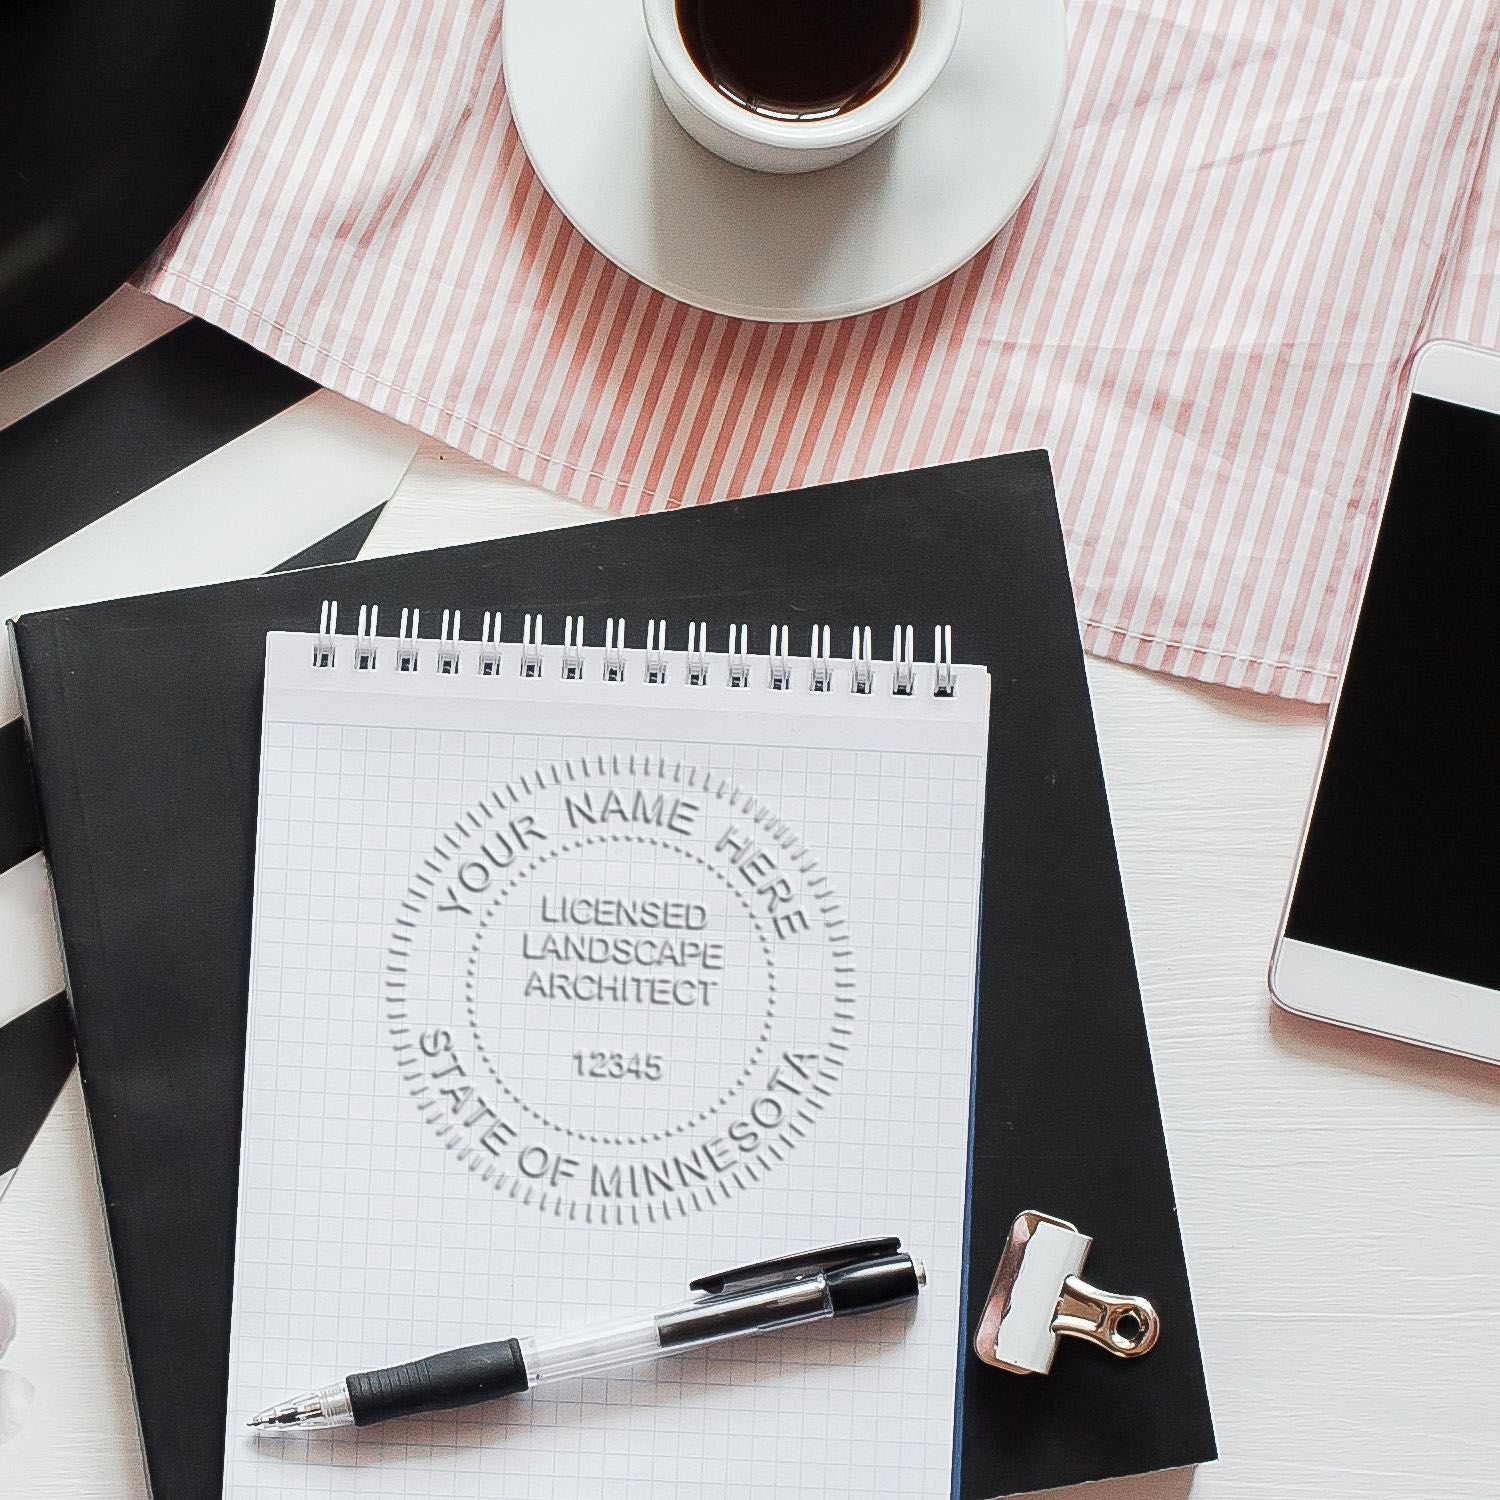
point(620, 988)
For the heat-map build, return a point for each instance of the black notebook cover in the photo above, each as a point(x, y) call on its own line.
point(144, 716)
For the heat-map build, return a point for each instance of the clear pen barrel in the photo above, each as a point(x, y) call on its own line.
point(566, 1356)
point(702, 1321)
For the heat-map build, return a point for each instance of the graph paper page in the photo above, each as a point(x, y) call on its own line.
point(565, 992)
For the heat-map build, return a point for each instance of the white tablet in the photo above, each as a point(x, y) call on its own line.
point(1392, 924)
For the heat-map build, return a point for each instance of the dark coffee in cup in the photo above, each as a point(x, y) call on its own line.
point(798, 59)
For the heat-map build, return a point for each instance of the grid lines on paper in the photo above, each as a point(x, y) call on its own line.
point(363, 1242)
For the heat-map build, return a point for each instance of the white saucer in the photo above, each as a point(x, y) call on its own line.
point(827, 244)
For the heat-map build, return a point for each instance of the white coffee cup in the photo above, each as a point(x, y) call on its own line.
point(748, 139)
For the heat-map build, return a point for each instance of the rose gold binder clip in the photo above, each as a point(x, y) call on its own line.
point(1037, 1297)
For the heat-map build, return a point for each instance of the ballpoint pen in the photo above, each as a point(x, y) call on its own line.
point(772, 1294)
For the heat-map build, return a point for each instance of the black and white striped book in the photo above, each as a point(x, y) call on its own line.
point(141, 451)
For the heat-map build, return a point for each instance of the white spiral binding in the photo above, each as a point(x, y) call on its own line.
point(406, 641)
point(697, 654)
point(531, 647)
point(944, 678)
point(737, 664)
point(614, 649)
point(572, 658)
point(904, 676)
point(364, 643)
point(489, 645)
point(822, 666)
point(862, 668)
point(447, 657)
point(656, 648)
point(781, 667)
point(739, 656)
point(325, 645)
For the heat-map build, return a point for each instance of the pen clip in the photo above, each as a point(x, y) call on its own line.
point(790, 1267)
point(1038, 1297)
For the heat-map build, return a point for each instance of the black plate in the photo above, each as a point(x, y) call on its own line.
point(112, 115)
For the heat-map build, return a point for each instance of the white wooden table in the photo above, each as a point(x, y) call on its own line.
point(1340, 1197)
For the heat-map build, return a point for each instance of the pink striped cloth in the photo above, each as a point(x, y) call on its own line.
point(1254, 215)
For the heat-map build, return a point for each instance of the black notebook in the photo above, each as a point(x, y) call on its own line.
point(145, 715)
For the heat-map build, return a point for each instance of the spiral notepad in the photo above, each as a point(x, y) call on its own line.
point(581, 967)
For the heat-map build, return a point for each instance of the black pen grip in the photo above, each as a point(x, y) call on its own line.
point(456, 1377)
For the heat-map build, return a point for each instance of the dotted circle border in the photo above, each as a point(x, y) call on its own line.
point(471, 984)
point(419, 892)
